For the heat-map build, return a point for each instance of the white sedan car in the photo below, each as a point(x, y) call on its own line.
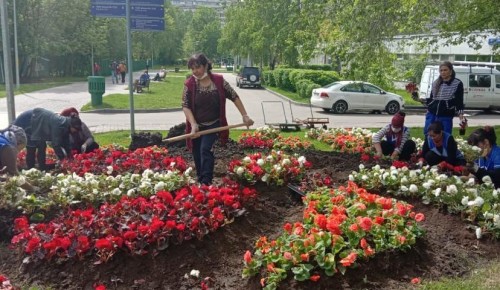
point(343, 96)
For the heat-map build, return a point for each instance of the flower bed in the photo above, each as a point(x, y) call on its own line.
point(341, 226)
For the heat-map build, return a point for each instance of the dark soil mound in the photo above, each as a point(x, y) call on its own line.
point(447, 249)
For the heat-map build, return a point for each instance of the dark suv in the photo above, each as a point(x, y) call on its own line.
point(248, 76)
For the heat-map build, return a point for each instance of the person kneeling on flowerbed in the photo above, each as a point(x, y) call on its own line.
point(440, 148)
point(81, 141)
point(12, 140)
point(394, 139)
point(489, 162)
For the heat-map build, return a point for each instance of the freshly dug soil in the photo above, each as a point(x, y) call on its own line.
point(448, 248)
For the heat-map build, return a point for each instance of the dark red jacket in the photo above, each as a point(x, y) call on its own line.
point(218, 80)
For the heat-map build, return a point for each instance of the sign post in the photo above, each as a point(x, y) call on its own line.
point(141, 15)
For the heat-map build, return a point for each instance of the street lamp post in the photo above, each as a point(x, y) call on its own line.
point(16, 54)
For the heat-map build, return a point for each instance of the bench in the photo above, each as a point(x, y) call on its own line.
point(139, 87)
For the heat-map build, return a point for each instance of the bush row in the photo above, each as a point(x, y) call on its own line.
point(299, 80)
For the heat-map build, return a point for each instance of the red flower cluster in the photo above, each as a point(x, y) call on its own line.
point(121, 160)
point(134, 225)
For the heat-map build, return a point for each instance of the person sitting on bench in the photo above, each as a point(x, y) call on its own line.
point(141, 82)
point(160, 75)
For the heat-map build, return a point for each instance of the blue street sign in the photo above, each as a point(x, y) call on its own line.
point(132, 2)
point(108, 10)
point(147, 11)
point(144, 24)
point(147, 2)
point(108, 1)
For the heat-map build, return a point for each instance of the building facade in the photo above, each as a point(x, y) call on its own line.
point(191, 5)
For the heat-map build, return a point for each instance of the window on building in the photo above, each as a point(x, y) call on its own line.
point(459, 57)
point(444, 57)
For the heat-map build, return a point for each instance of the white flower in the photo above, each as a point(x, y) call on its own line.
point(159, 186)
point(472, 191)
point(260, 162)
point(131, 192)
point(413, 188)
point(240, 170)
point(413, 174)
point(247, 159)
point(465, 200)
point(487, 179)
point(442, 177)
point(476, 149)
point(496, 220)
point(116, 192)
point(404, 188)
point(109, 170)
point(376, 167)
point(451, 189)
point(479, 233)
point(270, 158)
point(470, 182)
point(385, 175)
point(476, 202)
point(188, 171)
point(195, 273)
point(351, 177)
point(302, 160)
point(361, 167)
point(394, 172)
point(285, 162)
point(265, 177)
point(364, 177)
point(404, 180)
point(495, 193)
point(437, 192)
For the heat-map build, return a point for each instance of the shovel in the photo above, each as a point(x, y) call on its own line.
point(198, 134)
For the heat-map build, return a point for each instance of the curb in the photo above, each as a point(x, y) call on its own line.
point(122, 111)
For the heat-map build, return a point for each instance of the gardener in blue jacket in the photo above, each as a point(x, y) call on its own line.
point(489, 162)
point(440, 146)
point(42, 125)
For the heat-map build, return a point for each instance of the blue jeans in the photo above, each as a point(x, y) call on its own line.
point(203, 155)
point(446, 121)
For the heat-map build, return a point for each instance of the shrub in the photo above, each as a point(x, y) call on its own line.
point(305, 87)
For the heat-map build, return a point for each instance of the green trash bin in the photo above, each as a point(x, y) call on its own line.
point(97, 87)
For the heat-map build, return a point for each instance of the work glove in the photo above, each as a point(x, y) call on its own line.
point(248, 122)
point(84, 148)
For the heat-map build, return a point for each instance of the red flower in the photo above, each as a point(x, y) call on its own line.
point(315, 278)
point(365, 157)
point(21, 223)
point(349, 260)
point(130, 235)
point(415, 280)
point(419, 217)
point(99, 287)
point(247, 257)
point(165, 196)
point(104, 244)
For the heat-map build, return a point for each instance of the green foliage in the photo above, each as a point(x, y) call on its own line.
point(305, 87)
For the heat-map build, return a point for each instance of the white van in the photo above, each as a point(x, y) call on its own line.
point(481, 83)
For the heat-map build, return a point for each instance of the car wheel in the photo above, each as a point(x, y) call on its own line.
point(253, 78)
point(392, 108)
point(340, 107)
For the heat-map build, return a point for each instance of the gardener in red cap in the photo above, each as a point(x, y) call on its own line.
point(394, 139)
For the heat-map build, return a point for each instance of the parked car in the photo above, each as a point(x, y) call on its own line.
point(248, 76)
point(344, 96)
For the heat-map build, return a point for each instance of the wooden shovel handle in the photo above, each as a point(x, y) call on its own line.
point(209, 131)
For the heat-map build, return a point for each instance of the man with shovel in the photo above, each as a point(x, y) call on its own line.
point(204, 104)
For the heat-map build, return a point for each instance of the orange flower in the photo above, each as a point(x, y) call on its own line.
point(349, 260)
point(304, 257)
point(270, 267)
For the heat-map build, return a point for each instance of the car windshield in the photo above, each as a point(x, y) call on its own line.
point(250, 70)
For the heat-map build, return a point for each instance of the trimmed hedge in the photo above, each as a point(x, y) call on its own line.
point(305, 88)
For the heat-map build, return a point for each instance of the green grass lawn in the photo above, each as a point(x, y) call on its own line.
point(40, 85)
point(161, 95)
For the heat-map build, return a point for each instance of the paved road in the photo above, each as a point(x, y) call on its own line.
point(262, 106)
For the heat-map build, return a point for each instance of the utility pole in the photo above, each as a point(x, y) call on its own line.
point(11, 107)
point(18, 82)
